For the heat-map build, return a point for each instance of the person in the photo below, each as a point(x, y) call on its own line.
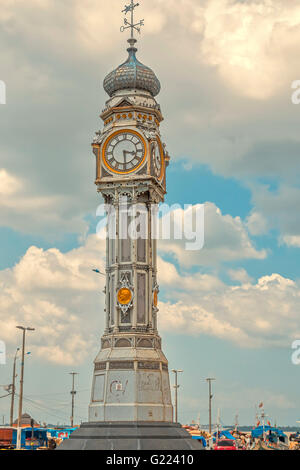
point(52, 444)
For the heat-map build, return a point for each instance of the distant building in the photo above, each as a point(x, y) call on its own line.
point(26, 422)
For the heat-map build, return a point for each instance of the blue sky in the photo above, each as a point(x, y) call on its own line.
point(232, 133)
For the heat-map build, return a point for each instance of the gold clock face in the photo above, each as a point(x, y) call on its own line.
point(124, 151)
point(124, 296)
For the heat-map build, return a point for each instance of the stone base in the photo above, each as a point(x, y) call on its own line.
point(130, 436)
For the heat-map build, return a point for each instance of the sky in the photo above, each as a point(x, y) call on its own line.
point(229, 311)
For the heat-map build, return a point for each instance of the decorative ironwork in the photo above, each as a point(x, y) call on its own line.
point(121, 365)
point(125, 285)
point(132, 74)
point(100, 366)
point(148, 365)
point(130, 24)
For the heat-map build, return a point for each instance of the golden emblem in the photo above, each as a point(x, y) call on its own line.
point(124, 296)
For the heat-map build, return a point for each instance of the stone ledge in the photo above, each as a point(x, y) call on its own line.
point(130, 436)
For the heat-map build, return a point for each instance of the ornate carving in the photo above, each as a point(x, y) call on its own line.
point(123, 343)
point(106, 344)
point(144, 343)
point(125, 283)
point(150, 383)
point(148, 365)
point(121, 365)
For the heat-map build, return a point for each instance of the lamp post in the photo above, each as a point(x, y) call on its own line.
point(13, 389)
point(209, 380)
point(176, 386)
point(22, 382)
point(99, 272)
point(73, 393)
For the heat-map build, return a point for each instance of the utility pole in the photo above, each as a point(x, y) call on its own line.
point(209, 380)
point(236, 421)
point(73, 393)
point(13, 389)
point(218, 423)
point(21, 383)
point(176, 386)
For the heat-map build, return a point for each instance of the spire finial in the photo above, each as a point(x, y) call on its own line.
point(131, 24)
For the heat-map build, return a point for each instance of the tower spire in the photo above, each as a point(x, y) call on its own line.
point(131, 24)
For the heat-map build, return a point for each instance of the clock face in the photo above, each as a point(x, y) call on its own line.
point(124, 152)
point(156, 158)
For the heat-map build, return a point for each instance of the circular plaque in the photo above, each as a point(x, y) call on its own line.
point(124, 296)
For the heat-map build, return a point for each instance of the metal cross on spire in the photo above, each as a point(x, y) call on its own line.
point(131, 24)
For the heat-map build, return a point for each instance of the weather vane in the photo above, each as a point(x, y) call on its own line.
point(130, 24)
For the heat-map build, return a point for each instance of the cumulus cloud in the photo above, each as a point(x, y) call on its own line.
point(58, 295)
point(251, 42)
point(292, 240)
point(239, 275)
point(225, 239)
point(256, 223)
point(276, 209)
point(217, 102)
point(261, 314)
point(50, 215)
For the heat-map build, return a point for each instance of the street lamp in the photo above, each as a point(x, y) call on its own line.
point(22, 382)
point(12, 387)
point(99, 272)
point(73, 393)
point(176, 386)
point(209, 380)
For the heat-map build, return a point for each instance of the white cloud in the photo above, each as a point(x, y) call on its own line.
point(251, 43)
point(8, 184)
point(257, 224)
point(238, 51)
point(239, 275)
point(50, 215)
point(276, 209)
point(58, 295)
point(292, 240)
point(250, 315)
point(226, 239)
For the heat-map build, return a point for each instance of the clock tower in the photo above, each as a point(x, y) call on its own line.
point(131, 407)
point(131, 378)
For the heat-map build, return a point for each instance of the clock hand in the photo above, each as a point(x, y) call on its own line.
point(125, 153)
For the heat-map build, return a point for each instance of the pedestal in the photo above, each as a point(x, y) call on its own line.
point(122, 436)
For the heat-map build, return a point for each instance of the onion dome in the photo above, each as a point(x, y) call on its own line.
point(132, 75)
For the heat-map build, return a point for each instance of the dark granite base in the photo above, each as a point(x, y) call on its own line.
point(130, 436)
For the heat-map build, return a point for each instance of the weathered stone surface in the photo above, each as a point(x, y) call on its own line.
point(130, 436)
